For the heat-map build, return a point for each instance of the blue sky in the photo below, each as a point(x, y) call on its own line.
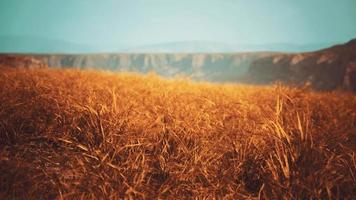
point(142, 22)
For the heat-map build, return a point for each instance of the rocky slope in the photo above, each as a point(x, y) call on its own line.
point(21, 61)
point(328, 69)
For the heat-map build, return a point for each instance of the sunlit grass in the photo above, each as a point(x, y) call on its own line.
point(84, 134)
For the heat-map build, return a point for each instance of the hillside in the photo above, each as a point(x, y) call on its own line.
point(328, 69)
point(71, 134)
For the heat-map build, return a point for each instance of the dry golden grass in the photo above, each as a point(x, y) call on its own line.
point(71, 134)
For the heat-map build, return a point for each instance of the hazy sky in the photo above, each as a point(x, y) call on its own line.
point(141, 22)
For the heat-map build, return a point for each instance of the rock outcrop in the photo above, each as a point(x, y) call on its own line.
point(21, 61)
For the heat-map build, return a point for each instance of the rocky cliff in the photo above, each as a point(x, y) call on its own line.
point(198, 66)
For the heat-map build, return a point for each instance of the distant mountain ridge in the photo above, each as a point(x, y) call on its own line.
point(33, 44)
point(36, 44)
point(219, 47)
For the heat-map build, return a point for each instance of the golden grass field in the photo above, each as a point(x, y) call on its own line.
point(71, 134)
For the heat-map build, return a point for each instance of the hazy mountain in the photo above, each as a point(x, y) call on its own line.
point(34, 44)
point(218, 47)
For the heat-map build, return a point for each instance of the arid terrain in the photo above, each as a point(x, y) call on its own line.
point(71, 134)
point(333, 68)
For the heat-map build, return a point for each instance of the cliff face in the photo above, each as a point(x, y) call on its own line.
point(211, 67)
point(328, 69)
point(20, 61)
